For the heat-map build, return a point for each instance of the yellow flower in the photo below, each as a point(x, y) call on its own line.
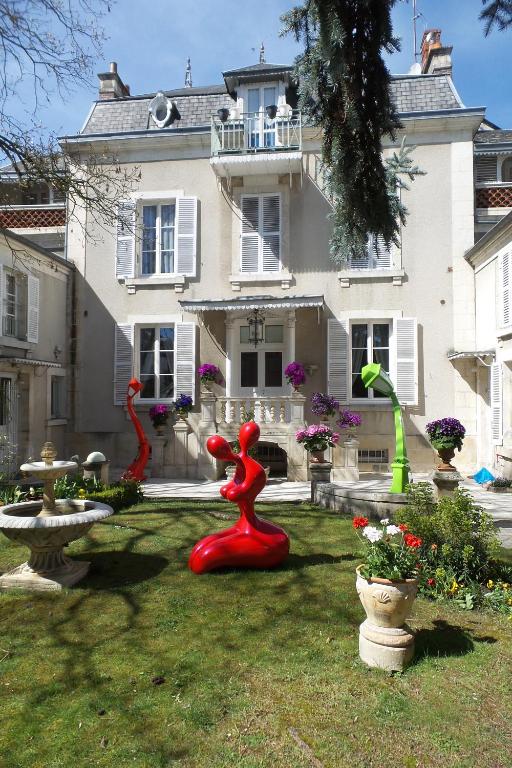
point(454, 587)
point(509, 601)
point(505, 586)
point(490, 583)
point(81, 493)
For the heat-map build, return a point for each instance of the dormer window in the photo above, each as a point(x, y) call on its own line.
point(506, 170)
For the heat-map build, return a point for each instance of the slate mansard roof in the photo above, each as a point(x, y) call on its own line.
point(412, 94)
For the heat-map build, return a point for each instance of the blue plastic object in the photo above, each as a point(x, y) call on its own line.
point(483, 476)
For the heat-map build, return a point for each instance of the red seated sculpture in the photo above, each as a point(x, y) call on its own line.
point(251, 542)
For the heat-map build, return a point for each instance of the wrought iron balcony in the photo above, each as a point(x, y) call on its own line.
point(256, 132)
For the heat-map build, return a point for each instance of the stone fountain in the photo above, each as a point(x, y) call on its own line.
point(46, 527)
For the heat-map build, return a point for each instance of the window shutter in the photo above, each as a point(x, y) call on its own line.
point(406, 346)
point(123, 361)
point(382, 254)
point(271, 233)
point(337, 359)
point(496, 397)
point(377, 256)
point(486, 169)
point(125, 250)
point(250, 239)
point(186, 242)
point(504, 288)
point(33, 310)
point(185, 359)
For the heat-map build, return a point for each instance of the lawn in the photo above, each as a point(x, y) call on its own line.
point(147, 665)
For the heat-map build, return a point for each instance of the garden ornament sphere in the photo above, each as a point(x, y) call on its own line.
point(251, 542)
point(96, 457)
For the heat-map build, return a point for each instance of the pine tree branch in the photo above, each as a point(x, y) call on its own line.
point(497, 13)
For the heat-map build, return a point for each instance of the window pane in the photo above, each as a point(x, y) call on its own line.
point(244, 334)
point(147, 339)
point(359, 359)
point(149, 216)
point(274, 334)
point(166, 386)
point(149, 239)
point(270, 97)
point(358, 388)
point(166, 362)
point(249, 369)
point(166, 338)
point(148, 383)
point(382, 356)
point(273, 369)
point(359, 336)
point(167, 215)
point(381, 335)
point(254, 99)
point(167, 238)
point(147, 362)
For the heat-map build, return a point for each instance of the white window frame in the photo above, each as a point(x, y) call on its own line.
point(261, 233)
point(53, 420)
point(156, 352)
point(370, 322)
point(158, 255)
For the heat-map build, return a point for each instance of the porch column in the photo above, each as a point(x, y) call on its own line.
point(229, 352)
point(290, 322)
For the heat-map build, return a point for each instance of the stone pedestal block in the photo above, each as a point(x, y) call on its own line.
point(445, 482)
point(182, 431)
point(297, 402)
point(350, 459)
point(389, 648)
point(320, 473)
point(208, 402)
point(158, 444)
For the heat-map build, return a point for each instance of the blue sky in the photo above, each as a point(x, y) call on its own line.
point(151, 42)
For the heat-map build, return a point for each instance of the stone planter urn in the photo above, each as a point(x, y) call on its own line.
point(316, 457)
point(446, 455)
point(160, 429)
point(385, 640)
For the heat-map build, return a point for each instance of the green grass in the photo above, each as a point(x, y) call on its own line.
point(259, 668)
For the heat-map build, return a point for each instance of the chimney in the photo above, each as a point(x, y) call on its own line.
point(111, 85)
point(436, 58)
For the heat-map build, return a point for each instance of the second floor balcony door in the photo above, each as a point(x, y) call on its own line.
point(262, 129)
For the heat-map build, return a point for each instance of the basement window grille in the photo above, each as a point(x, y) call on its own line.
point(373, 457)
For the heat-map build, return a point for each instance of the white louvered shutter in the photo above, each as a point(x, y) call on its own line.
point(33, 310)
point(250, 238)
point(185, 359)
point(337, 359)
point(486, 169)
point(125, 249)
point(382, 255)
point(504, 266)
point(496, 397)
point(123, 361)
point(406, 347)
point(271, 233)
point(186, 239)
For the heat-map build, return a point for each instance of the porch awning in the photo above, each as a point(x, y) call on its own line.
point(252, 302)
point(29, 361)
point(465, 355)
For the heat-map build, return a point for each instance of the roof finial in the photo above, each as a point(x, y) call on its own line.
point(262, 54)
point(188, 75)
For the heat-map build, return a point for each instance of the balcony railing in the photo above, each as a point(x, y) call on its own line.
point(256, 132)
point(33, 216)
point(497, 195)
point(271, 411)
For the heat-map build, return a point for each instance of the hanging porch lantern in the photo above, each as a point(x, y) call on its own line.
point(256, 327)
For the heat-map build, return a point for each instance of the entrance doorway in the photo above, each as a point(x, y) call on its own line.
point(258, 370)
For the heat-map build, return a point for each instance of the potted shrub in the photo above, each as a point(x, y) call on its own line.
point(316, 439)
point(208, 374)
point(445, 436)
point(183, 406)
point(323, 405)
point(295, 375)
point(349, 421)
point(500, 485)
point(159, 415)
point(387, 584)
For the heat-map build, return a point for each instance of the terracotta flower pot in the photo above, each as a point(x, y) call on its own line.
point(446, 455)
point(387, 602)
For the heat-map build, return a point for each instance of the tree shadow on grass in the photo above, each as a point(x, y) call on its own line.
point(294, 562)
point(121, 568)
point(447, 640)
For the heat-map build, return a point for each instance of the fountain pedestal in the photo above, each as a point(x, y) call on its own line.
point(46, 527)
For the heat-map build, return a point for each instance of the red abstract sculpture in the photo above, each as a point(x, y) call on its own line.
point(136, 469)
point(251, 542)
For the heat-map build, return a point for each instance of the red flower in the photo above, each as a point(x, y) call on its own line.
point(412, 541)
point(360, 522)
point(431, 582)
point(403, 527)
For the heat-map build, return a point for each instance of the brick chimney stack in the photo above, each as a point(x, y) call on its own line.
point(111, 85)
point(436, 58)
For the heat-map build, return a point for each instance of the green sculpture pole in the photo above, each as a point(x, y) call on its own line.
point(373, 376)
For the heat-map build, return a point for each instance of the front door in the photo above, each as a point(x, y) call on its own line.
point(258, 371)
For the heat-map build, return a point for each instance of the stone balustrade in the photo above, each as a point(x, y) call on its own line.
point(281, 410)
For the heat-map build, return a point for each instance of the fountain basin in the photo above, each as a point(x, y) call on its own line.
point(48, 568)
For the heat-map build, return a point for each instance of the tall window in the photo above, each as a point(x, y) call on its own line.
point(369, 344)
point(57, 397)
point(158, 227)
point(9, 320)
point(156, 362)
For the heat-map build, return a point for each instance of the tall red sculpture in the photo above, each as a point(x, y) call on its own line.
point(251, 542)
point(136, 469)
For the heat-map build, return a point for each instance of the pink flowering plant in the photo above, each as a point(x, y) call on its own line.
point(392, 551)
point(159, 414)
point(323, 405)
point(295, 374)
point(349, 420)
point(207, 372)
point(317, 437)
